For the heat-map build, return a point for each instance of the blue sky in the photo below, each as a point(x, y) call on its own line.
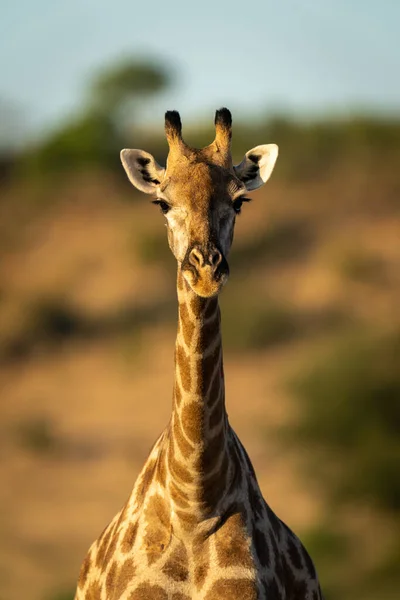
point(305, 56)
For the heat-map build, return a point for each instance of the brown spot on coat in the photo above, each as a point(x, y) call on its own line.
point(177, 394)
point(182, 442)
point(176, 468)
point(206, 367)
point(104, 541)
point(161, 470)
point(146, 591)
point(233, 588)
point(111, 548)
point(187, 519)
point(122, 516)
point(192, 419)
point(197, 305)
point(176, 567)
point(187, 327)
point(207, 335)
point(145, 481)
point(129, 537)
point(84, 571)
point(158, 509)
point(157, 533)
point(232, 543)
point(124, 578)
point(184, 368)
point(111, 578)
point(201, 553)
point(179, 497)
point(93, 592)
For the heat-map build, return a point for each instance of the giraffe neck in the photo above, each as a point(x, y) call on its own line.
point(198, 443)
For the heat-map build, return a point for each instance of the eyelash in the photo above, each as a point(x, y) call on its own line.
point(237, 204)
point(164, 207)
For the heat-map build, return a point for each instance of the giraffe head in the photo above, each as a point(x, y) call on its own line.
point(200, 192)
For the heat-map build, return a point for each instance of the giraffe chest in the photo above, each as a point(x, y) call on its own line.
point(203, 572)
point(154, 564)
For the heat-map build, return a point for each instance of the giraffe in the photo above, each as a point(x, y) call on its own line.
point(196, 526)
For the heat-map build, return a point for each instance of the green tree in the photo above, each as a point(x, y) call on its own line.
point(96, 134)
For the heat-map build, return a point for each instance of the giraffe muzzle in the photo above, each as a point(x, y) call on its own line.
point(205, 270)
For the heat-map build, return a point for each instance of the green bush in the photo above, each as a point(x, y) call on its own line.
point(351, 410)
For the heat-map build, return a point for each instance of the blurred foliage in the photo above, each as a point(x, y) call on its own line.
point(45, 323)
point(88, 140)
point(152, 247)
point(360, 266)
point(95, 136)
point(37, 434)
point(351, 409)
point(331, 548)
point(126, 83)
point(349, 419)
point(257, 324)
point(51, 322)
point(286, 240)
point(108, 122)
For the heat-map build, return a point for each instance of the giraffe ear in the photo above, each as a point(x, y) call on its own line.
point(142, 170)
point(257, 166)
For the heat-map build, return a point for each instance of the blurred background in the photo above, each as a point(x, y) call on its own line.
point(311, 319)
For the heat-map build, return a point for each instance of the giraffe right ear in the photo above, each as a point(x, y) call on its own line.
point(257, 166)
point(142, 169)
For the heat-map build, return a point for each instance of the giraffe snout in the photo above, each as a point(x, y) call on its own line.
point(205, 269)
point(200, 259)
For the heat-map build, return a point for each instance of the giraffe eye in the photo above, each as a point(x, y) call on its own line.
point(237, 204)
point(164, 207)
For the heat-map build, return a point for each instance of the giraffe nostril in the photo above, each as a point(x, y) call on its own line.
point(215, 258)
point(196, 258)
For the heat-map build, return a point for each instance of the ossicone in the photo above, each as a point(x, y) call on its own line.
point(173, 127)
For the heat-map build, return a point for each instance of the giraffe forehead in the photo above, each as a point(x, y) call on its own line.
point(200, 186)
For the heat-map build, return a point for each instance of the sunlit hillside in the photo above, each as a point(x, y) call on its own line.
point(311, 334)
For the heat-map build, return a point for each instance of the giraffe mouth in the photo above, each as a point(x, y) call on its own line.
point(206, 282)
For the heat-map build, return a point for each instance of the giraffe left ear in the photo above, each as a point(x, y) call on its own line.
point(142, 169)
point(257, 166)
